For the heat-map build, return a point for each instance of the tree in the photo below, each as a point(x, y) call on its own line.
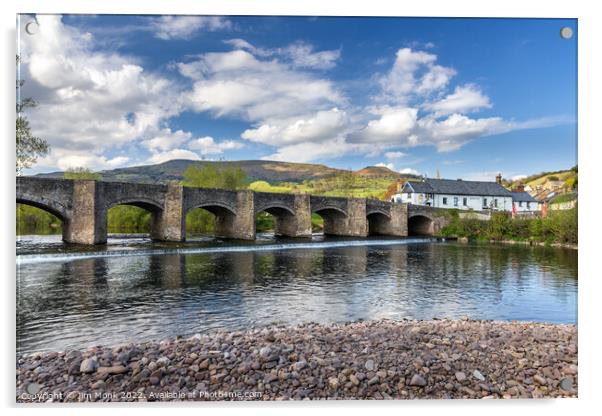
point(82, 173)
point(29, 147)
point(209, 176)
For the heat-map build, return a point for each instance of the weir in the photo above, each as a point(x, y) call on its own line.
point(82, 206)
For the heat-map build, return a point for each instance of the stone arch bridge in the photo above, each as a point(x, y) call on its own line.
point(82, 206)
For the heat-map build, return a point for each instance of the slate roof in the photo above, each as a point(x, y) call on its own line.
point(522, 197)
point(458, 187)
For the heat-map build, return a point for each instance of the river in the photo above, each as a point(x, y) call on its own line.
point(132, 290)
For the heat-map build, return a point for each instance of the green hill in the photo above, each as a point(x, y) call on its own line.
point(262, 170)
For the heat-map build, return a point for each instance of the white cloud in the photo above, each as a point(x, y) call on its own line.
point(394, 123)
point(466, 98)
point(207, 145)
point(320, 126)
point(303, 56)
point(456, 130)
point(389, 166)
point(409, 171)
point(90, 101)
point(185, 27)
point(160, 157)
point(414, 73)
point(309, 151)
point(518, 177)
point(394, 155)
point(237, 83)
point(166, 139)
point(64, 159)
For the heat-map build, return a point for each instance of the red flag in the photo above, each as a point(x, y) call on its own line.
point(513, 209)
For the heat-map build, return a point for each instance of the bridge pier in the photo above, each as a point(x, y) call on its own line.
point(242, 225)
point(354, 224)
point(170, 223)
point(395, 224)
point(85, 226)
point(299, 224)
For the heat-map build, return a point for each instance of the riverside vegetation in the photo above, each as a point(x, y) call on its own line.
point(557, 227)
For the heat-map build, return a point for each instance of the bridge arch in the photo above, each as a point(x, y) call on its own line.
point(421, 224)
point(281, 219)
point(53, 207)
point(208, 218)
point(377, 222)
point(332, 216)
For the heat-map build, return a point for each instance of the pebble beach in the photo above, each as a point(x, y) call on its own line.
point(380, 360)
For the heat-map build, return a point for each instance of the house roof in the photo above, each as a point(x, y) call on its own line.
point(458, 187)
point(522, 197)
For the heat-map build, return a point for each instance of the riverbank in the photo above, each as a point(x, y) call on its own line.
point(466, 240)
point(363, 360)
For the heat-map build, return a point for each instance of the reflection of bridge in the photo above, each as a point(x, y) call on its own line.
point(82, 206)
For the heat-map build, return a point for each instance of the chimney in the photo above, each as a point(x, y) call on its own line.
point(498, 179)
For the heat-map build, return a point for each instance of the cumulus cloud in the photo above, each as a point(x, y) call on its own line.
point(303, 56)
point(394, 155)
point(64, 159)
point(321, 125)
point(237, 83)
point(90, 101)
point(207, 145)
point(160, 157)
point(414, 73)
point(409, 171)
point(391, 166)
point(185, 27)
point(311, 151)
point(393, 124)
point(464, 99)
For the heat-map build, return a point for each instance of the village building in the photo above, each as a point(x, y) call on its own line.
point(458, 194)
point(524, 202)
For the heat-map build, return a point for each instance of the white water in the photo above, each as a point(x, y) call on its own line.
point(64, 257)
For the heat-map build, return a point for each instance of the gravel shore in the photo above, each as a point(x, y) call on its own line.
point(363, 360)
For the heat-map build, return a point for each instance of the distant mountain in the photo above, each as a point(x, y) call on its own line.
point(270, 171)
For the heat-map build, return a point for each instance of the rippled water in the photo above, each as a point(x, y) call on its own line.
point(73, 299)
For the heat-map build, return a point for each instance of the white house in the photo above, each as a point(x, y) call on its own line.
point(525, 202)
point(458, 194)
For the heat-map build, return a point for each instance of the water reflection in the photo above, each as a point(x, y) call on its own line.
point(120, 299)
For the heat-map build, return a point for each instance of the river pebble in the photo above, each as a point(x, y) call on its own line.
point(363, 360)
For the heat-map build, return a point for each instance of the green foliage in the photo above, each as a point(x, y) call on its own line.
point(264, 222)
point(28, 146)
point(553, 178)
point(82, 173)
point(200, 221)
point(317, 223)
point(123, 219)
point(558, 227)
point(32, 220)
point(210, 176)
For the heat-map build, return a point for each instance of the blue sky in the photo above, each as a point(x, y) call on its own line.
point(467, 97)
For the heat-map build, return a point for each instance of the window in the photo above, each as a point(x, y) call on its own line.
point(465, 202)
point(455, 201)
point(495, 202)
point(528, 205)
point(444, 201)
point(484, 202)
point(520, 203)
